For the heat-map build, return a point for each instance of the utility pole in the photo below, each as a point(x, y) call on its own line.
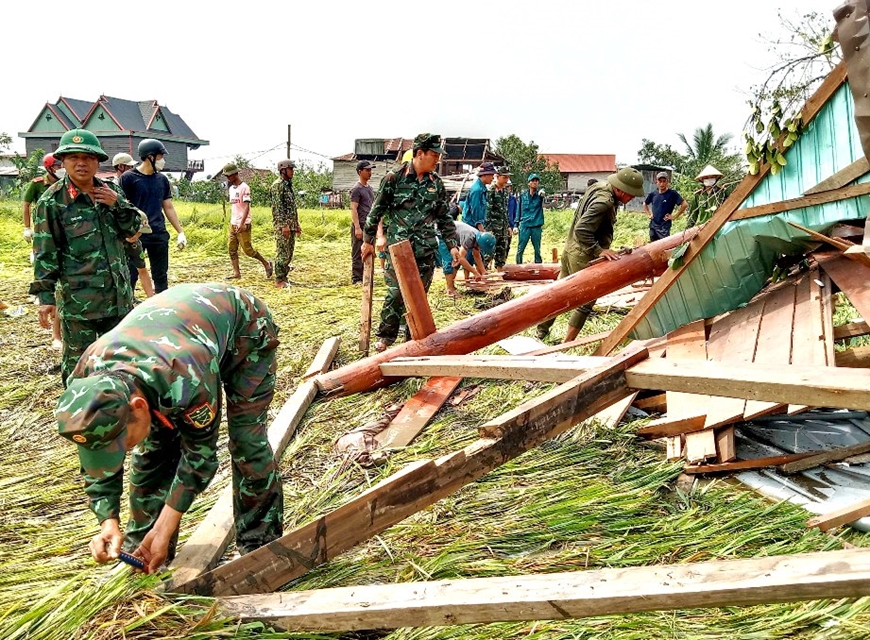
point(288, 142)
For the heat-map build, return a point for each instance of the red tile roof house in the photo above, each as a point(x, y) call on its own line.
point(577, 168)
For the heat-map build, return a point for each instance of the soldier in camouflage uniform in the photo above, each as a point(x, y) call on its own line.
point(155, 380)
point(410, 199)
point(80, 223)
point(591, 235)
point(497, 216)
point(286, 220)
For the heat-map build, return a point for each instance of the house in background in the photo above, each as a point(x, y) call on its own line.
point(120, 125)
point(462, 156)
point(578, 168)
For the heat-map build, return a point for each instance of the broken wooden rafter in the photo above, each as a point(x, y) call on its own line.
point(561, 596)
point(842, 178)
point(840, 517)
point(844, 193)
point(672, 427)
point(723, 214)
point(420, 484)
point(746, 465)
point(825, 457)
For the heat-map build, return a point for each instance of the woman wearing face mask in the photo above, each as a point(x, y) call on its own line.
point(150, 191)
point(707, 199)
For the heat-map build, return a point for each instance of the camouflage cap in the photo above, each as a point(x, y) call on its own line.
point(93, 412)
point(429, 142)
point(503, 171)
point(230, 169)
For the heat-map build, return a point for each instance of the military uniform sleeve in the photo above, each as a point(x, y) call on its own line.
point(46, 264)
point(588, 224)
point(383, 201)
point(443, 220)
point(126, 216)
point(197, 467)
point(104, 495)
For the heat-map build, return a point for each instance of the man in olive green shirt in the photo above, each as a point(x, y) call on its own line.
point(591, 235)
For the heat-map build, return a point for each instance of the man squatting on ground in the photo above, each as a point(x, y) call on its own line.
point(473, 246)
point(240, 222)
point(155, 381)
point(285, 218)
point(79, 244)
point(149, 190)
point(361, 198)
point(410, 199)
point(591, 235)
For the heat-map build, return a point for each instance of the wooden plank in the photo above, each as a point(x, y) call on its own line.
point(847, 231)
point(726, 446)
point(739, 347)
point(774, 341)
point(422, 484)
point(843, 177)
point(842, 516)
point(559, 596)
point(806, 348)
point(416, 413)
point(532, 368)
point(851, 279)
point(368, 287)
point(825, 197)
point(674, 448)
point(745, 465)
point(324, 358)
point(211, 538)
point(579, 342)
point(839, 244)
point(828, 319)
point(834, 455)
point(654, 404)
point(857, 357)
point(851, 330)
point(665, 427)
point(847, 388)
point(689, 342)
point(418, 314)
point(818, 323)
point(723, 214)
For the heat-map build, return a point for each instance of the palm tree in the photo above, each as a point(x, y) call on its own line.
point(706, 145)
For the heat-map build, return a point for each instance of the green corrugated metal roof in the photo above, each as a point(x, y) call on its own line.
point(736, 264)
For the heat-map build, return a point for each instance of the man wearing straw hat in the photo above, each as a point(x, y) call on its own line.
point(707, 199)
point(591, 235)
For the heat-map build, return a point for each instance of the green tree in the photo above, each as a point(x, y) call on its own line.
point(5, 141)
point(525, 159)
point(660, 155)
point(705, 144)
point(309, 181)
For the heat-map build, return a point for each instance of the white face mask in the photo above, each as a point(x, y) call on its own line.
point(60, 173)
point(160, 164)
point(709, 182)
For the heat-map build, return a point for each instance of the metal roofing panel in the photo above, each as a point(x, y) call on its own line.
point(736, 264)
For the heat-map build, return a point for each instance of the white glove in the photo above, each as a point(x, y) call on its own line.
point(182, 240)
point(541, 192)
point(28, 234)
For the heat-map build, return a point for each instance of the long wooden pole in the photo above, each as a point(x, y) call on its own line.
point(512, 317)
point(561, 596)
point(368, 286)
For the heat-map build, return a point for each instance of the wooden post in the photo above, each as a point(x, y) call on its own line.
point(509, 318)
point(420, 484)
point(418, 314)
point(368, 285)
point(560, 596)
point(530, 271)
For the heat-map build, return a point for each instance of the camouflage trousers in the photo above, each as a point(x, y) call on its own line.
point(258, 502)
point(284, 248)
point(571, 262)
point(393, 311)
point(77, 335)
point(502, 235)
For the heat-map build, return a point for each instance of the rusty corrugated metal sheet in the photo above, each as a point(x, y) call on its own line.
point(736, 264)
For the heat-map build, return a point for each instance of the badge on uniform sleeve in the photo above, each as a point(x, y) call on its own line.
point(200, 416)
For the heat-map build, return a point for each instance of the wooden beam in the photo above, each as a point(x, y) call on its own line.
point(368, 287)
point(665, 427)
point(834, 455)
point(844, 193)
point(851, 330)
point(416, 413)
point(532, 368)
point(843, 177)
point(839, 244)
point(826, 293)
point(851, 279)
point(418, 314)
point(420, 484)
point(579, 342)
point(561, 596)
point(848, 388)
point(746, 465)
point(653, 404)
point(807, 345)
point(324, 358)
point(855, 358)
point(723, 214)
point(774, 341)
point(211, 538)
point(842, 516)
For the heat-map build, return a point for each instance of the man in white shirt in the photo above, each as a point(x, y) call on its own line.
point(240, 222)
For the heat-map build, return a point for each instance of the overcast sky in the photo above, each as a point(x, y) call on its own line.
point(575, 77)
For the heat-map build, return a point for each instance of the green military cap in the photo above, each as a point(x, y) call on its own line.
point(503, 171)
point(93, 412)
point(230, 169)
point(628, 180)
point(429, 142)
point(533, 176)
point(80, 141)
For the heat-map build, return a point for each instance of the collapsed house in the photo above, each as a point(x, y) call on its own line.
point(714, 344)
